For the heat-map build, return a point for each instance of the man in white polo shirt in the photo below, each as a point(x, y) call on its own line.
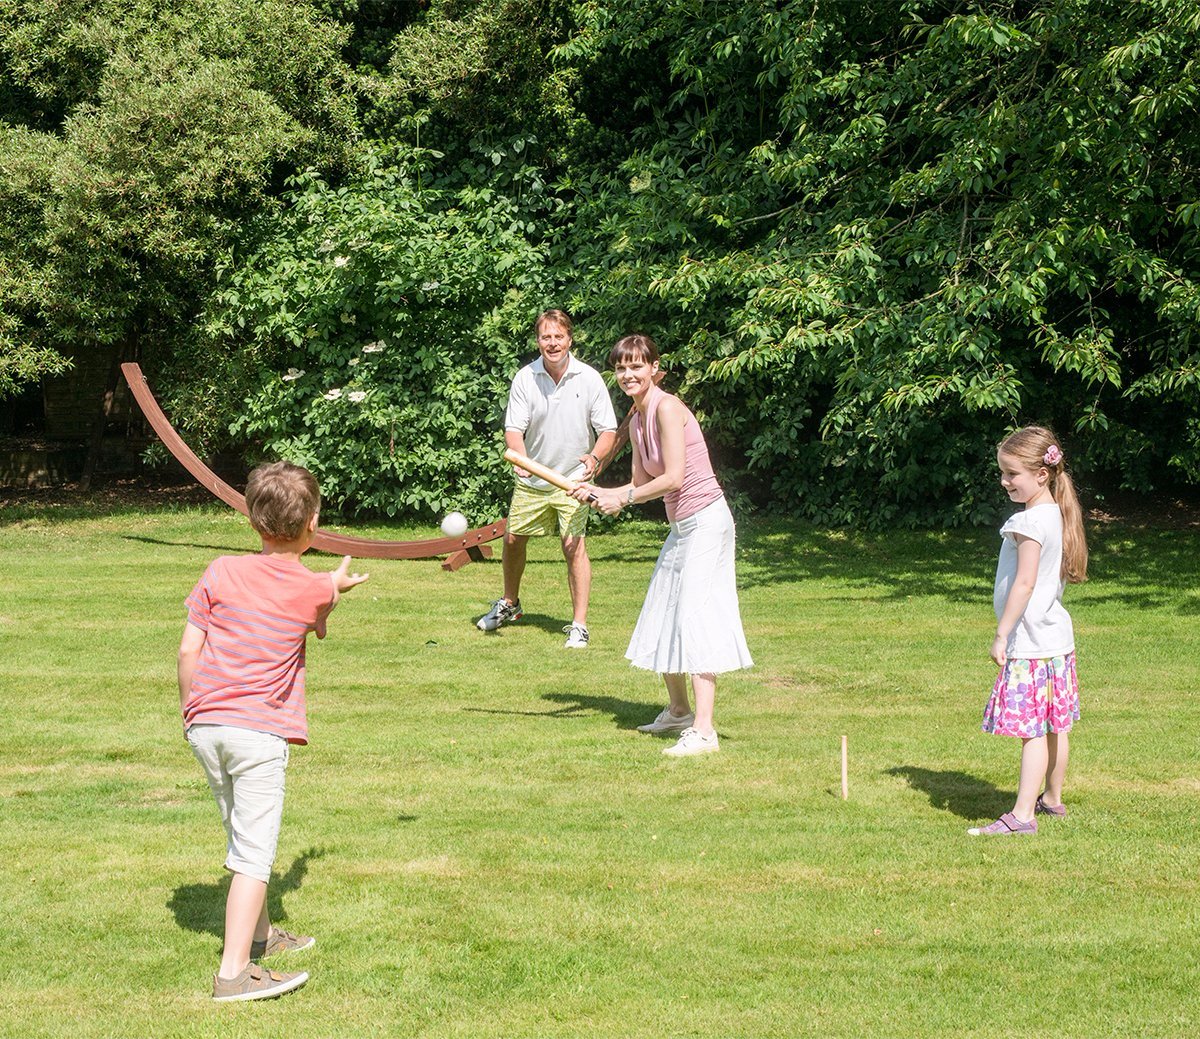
point(560, 414)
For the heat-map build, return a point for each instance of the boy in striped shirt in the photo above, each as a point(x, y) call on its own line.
point(241, 690)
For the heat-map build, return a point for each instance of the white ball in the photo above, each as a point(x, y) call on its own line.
point(454, 525)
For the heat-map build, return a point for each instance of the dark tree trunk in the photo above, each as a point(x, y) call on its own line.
point(96, 444)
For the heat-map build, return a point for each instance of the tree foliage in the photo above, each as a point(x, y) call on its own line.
point(135, 138)
point(876, 234)
point(372, 332)
point(870, 236)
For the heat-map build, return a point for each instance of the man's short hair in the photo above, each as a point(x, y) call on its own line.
point(282, 499)
point(557, 317)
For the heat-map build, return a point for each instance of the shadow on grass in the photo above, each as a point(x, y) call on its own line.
point(1143, 567)
point(959, 793)
point(228, 549)
point(626, 714)
point(201, 907)
point(958, 566)
point(553, 625)
point(648, 557)
point(1137, 566)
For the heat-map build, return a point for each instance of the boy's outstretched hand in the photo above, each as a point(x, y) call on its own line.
point(343, 581)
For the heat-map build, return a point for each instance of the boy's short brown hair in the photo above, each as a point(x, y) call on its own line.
point(282, 499)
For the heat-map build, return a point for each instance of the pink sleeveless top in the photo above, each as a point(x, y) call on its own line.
point(700, 487)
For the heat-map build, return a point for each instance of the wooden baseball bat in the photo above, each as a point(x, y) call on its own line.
point(543, 472)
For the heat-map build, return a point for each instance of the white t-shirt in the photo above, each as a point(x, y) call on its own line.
point(560, 421)
point(1045, 628)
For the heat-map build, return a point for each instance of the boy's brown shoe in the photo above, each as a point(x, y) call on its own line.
point(256, 982)
point(279, 940)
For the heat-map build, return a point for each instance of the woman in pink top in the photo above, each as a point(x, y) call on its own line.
point(689, 624)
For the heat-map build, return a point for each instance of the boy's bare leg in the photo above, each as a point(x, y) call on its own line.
point(262, 930)
point(245, 919)
point(1058, 748)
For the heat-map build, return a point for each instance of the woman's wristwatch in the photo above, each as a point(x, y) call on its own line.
point(629, 496)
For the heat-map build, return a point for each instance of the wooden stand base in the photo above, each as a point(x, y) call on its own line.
point(461, 558)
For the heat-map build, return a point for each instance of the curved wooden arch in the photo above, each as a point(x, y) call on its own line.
point(471, 545)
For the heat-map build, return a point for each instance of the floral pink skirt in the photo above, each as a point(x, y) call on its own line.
point(1033, 697)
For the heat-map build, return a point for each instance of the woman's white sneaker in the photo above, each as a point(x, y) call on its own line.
point(693, 741)
point(668, 722)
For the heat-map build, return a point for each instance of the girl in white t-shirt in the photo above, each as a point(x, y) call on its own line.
point(1036, 695)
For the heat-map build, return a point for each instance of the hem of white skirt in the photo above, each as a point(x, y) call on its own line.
point(689, 669)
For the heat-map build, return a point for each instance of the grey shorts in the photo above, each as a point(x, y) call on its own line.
point(245, 770)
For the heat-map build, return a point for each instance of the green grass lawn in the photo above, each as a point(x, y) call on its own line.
point(484, 845)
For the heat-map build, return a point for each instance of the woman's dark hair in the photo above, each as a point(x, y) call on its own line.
point(636, 347)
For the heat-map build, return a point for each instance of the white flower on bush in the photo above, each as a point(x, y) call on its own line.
point(429, 286)
point(325, 247)
point(376, 347)
point(341, 261)
point(357, 396)
point(348, 318)
point(354, 360)
point(292, 374)
point(334, 394)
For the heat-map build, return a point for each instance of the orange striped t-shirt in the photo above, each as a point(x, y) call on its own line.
point(256, 612)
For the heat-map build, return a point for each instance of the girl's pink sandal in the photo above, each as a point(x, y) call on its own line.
point(1008, 824)
point(1041, 808)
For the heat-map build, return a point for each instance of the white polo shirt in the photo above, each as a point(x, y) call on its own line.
point(559, 421)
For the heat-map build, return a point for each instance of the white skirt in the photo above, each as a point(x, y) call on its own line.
point(690, 623)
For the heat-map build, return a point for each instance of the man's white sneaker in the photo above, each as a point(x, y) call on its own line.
point(692, 741)
point(577, 637)
point(668, 722)
point(502, 612)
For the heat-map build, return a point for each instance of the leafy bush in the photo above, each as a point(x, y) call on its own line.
point(372, 331)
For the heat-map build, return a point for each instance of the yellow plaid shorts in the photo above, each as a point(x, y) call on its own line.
point(537, 513)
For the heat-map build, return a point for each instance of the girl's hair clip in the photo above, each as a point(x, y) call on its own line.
point(1053, 455)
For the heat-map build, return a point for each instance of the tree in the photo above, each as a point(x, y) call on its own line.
point(136, 140)
point(875, 235)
